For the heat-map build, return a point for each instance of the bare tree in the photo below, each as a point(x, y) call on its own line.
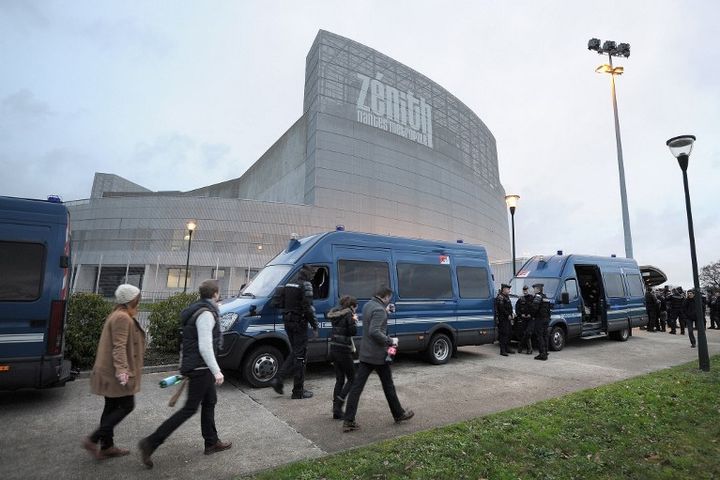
point(710, 275)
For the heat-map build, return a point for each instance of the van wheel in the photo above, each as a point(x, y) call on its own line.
point(261, 365)
point(439, 349)
point(621, 335)
point(557, 338)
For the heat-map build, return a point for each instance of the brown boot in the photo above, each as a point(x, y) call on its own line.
point(111, 452)
point(218, 447)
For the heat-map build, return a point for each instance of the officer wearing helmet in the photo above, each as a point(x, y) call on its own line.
point(541, 313)
point(503, 314)
point(298, 312)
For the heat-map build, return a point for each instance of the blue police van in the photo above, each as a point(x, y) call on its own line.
point(442, 294)
point(592, 296)
point(34, 277)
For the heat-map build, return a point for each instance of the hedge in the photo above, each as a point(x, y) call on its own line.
point(164, 321)
point(86, 316)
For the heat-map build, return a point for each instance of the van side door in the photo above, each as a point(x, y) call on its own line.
point(425, 297)
point(361, 271)
point(637, 312)
point(475, 321)
point(617, 317)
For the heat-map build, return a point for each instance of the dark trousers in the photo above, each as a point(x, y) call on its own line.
point(388, 387)
point(344, 377)
point(663, 320)
point(504, 329)
point(295, 362)
point(115, 410)
point(673, 317)
point(714, 321)
point(689, 322)
point(541, 334)
point(526, 341)
point(653, 322)
point(201, 390)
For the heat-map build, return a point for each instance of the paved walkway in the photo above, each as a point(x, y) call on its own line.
point(41, 430)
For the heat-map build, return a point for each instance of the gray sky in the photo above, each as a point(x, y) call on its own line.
point(175, 95)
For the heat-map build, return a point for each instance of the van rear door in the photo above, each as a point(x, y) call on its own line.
point(617, 316)
point(25, 308)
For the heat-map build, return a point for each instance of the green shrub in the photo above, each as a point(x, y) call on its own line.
point(164, 322)
point(86, 316)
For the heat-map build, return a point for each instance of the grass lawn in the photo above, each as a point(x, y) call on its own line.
point(665, 425)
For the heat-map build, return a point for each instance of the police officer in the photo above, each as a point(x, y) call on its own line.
point(541, 312)
point(503, 314)
point(675, 306)
point(297, 313)
point(715, 310)
point(653, 310)
point(663, 299)
point(523, 314)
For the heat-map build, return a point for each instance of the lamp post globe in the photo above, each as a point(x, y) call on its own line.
point(512, 201)
point(681, 147)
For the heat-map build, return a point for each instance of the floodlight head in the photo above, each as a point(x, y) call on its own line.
point(609, 47)
point(623, 50)
point(594, 44)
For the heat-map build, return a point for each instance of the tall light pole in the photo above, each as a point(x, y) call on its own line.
point(512, 201)
point(681, 147)
point(616, 50)
point(191, 226)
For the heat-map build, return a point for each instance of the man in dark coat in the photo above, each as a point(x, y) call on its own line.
point(675, 306)
point(373, 356)
point(691, 316)
point(503, 314)
point(715, 310)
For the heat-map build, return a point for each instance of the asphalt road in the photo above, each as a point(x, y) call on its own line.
point(42, 430)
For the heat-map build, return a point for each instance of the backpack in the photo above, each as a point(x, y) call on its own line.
point(278, 297)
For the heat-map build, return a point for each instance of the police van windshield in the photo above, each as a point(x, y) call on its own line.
point(549, 285)
point(265, 282)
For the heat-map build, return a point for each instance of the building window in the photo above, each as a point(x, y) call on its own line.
point(176, 277)
point(424, 281)
point(473, 282)
point(218, 273)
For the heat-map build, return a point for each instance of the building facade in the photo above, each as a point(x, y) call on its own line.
point(379, 148)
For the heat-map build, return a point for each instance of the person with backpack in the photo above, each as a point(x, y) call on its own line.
point(344, 320)
point(201, 340)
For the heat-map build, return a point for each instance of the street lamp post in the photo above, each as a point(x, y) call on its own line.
point(616, 50)
point(191, 226)
point(681, 147)
point(512, 201)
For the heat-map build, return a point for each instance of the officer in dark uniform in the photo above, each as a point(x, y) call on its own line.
point(298, 312)
point(715, 310)
point(675, 307)
point(662, 298)
point(541, 312)
point(653, 310)
point(503, 314)
point(524, 314)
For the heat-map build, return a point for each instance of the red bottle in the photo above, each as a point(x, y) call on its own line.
point(391, 351)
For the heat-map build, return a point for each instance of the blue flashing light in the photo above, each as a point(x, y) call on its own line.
point(460, 240)
point(340, 228)
point(560, 252)
point(54, 199)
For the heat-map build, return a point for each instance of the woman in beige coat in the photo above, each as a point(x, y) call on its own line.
point(118, 370)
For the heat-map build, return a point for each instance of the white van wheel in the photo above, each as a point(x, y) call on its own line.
point(439, 349)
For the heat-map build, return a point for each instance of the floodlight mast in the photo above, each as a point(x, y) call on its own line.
point(613, 49)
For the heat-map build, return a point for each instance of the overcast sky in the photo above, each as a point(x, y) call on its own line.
point(175, 95)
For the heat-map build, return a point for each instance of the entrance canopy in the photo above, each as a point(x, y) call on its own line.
point(652, 276)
